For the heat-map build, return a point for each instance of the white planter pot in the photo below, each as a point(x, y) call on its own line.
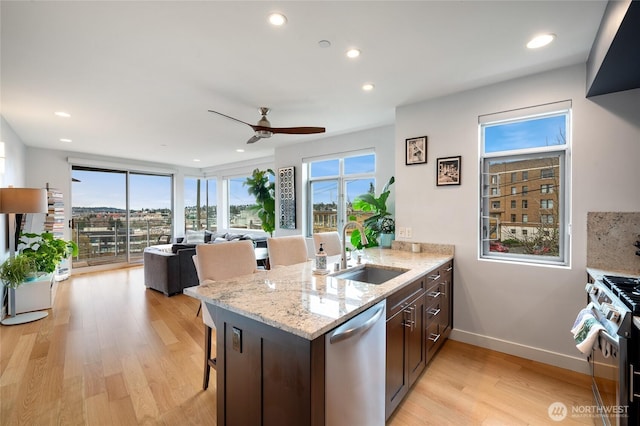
point(35, 295)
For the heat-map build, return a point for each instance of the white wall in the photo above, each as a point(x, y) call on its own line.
point(380, 139)
point(14, 174)
point(520, 309)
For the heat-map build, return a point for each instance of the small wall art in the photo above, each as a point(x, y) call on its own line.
point(287, 187)
point(416, 150)
point(448, 171)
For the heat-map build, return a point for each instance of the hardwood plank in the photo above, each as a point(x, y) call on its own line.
point(113, 352)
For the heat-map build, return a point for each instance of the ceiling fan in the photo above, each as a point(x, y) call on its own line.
point(264, 130)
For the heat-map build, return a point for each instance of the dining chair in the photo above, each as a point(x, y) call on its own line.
point(289, 250)
point(330, 242)
point(216, 262)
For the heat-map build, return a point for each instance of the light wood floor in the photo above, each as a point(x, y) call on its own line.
point(112, 352)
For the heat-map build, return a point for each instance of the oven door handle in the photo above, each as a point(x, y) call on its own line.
point(609, 338)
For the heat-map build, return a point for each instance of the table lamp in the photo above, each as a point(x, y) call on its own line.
point(13, 201)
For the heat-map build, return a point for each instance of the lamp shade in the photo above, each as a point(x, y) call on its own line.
point(23, 200)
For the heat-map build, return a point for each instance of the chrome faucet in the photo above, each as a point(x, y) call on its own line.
point(363, 240)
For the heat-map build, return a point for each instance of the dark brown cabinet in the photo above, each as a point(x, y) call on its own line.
point(419, 319)
point(438, 312)
point(405, 357)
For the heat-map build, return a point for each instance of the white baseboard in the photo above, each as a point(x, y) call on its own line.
point(577, 364)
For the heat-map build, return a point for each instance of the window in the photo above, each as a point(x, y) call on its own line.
point(546, 218)
point(333, 185)
point(494, 191)
point(514, 177)
point(240, 203)
point(546, 189)
point(534, 142)
point(118, 213)
point(200, 204)
point(495, 205)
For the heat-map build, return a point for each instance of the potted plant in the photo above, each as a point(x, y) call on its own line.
point(387, 231)
point(377, 224)
point(264, 189)
point(14, 271)
point(46, 250)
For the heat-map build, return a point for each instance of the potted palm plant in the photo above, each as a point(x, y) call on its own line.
point(380, 222)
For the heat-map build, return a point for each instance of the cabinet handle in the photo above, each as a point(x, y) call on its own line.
point(410, 323)
point(434, 277)
point(450, 268)
point(434, 337)
point(434, 294)
point(433, 311)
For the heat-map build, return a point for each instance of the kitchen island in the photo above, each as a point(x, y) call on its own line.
point(271, 326)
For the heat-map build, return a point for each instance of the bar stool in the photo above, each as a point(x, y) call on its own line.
point(284, 251)
point(214, 262)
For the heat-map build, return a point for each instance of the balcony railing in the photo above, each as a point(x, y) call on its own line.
point(102, 242)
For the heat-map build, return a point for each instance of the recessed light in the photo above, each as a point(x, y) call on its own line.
point(324, 43)
point(239, 150)
point(540, 41)
point(367, 87)
point(62, 114)
point(196, 160)
point(353, 53)
point(65, 140)
point(277, 19)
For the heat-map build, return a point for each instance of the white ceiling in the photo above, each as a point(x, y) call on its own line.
point(139, 77)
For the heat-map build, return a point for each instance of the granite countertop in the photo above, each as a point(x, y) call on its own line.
point(294, 299)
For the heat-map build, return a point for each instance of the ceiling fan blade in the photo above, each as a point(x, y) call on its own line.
point(234, 119)
point(291, 130)
point(254, 139)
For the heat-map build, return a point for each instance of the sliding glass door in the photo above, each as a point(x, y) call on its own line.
point(117, 213)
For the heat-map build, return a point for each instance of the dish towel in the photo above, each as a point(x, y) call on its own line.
point(585, 330)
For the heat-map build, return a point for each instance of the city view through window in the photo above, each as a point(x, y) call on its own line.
point(523, 187)
point(103, 228)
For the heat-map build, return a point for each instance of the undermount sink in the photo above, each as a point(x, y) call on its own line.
point(370, 274)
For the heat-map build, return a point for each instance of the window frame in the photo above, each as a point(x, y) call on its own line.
point(342, 181)
point(561, 151)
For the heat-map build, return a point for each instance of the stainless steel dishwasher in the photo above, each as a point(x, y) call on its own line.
point(355, 370)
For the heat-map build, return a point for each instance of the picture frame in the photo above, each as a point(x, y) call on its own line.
point(416, 150)
point(448, 171)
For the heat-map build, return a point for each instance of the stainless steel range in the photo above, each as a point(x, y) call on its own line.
point(615, 361)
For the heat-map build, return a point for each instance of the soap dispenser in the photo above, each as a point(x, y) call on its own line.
point(321, 259)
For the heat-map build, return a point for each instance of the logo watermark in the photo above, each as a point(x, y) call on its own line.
point(558, 411)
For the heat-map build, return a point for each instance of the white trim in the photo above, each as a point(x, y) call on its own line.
point(574, 363)
point(113, 165)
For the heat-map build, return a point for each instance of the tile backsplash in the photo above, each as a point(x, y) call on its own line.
point(610, 238)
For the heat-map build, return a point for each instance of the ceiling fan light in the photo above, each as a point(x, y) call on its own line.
point(277, 19)
point(264, 133)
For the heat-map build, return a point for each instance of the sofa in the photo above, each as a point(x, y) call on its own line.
point(169, 268)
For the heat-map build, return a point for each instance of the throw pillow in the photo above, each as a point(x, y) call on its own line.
point(194, 237)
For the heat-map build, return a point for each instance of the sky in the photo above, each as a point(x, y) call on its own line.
point(524, 134)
